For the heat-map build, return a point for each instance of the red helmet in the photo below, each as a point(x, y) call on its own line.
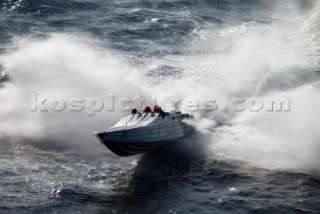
point(156, 108)
point(147, 109)
point(134, 111)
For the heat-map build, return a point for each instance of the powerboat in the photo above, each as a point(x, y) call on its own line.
point(140, 132)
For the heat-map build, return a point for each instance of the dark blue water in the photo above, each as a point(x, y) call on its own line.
point(233, 163)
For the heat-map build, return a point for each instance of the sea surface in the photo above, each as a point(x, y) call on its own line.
point(235, 161)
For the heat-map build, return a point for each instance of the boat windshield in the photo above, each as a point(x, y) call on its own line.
point(137, 120)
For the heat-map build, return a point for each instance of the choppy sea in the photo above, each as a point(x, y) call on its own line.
point(235, 161)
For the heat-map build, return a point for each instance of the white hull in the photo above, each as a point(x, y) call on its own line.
point(138, 133)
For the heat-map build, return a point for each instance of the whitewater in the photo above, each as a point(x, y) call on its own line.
point(235, 162)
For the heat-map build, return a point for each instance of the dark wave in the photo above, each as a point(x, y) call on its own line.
point(168, 39)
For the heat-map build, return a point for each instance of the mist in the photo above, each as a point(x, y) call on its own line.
point(268, 62)
point(61, 66)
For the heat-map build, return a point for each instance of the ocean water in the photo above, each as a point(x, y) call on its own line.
point(235, 162)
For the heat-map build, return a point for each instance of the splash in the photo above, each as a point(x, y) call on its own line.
point(276, 140)
point(272, 61)
point(61, 66)
point(269, 61)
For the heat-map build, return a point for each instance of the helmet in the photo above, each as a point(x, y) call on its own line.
point(156, 108)
point(134, 111)
point(147, 109)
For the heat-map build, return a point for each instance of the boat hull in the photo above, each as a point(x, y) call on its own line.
point(132, 148)
point(137, 133)
point(127, 142)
